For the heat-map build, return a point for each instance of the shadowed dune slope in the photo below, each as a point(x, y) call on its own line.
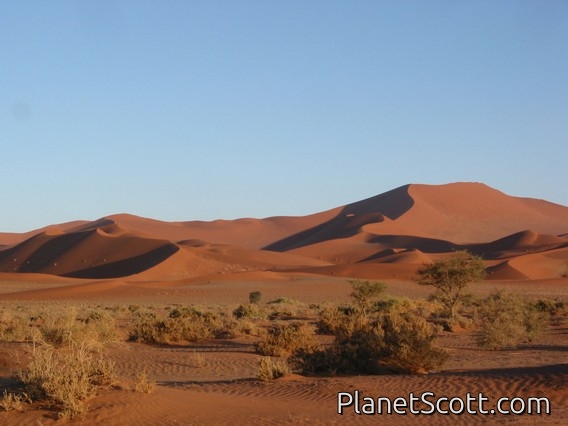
point(351, 219)
point(92, 253)
point(463, 213)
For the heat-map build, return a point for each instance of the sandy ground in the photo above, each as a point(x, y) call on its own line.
point(225, 390)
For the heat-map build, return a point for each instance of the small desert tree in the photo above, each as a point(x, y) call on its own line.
point(450, 277)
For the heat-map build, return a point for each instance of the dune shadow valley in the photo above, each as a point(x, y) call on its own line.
point(317, 319)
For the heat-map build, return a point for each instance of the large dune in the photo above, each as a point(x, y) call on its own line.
point(388, 235)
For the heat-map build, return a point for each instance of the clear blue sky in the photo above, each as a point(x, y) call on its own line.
point(182, 110)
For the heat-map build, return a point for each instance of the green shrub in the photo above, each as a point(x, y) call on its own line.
point(395, 340)
point(365, 293)
point(409, 343)
point(506, 320)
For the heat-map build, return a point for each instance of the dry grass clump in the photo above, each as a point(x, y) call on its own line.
point(13, 401)
point(66, 377)
point(58, 326)
point(270, 369)
point(198, 360)
point(285, 339)
point(16, 327)
point(143, 384)
point(506, 320)
point(68, 327)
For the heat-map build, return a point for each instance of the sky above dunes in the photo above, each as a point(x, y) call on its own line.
point(183, 110)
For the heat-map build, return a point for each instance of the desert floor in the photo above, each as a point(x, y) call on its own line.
point(214, 381)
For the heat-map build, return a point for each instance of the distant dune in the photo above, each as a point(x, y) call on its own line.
point(385, 236)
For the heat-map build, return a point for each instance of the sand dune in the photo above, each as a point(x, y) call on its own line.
point(97, 253)
point(390, 234)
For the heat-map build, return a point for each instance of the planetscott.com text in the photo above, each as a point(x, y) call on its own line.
point(428, 403)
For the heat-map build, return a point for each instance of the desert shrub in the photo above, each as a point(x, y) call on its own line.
point(66, 326)
point(255, 296)
point(60, 328)
point(283, 300)
point(506, 320)
point(323, 360)
point(270, 369)
point(285, 339)
point(100, 326)
point(148, 328)
point(556, 309)
point(192, 324)
point(17, 328)
point(409, 343)
point(365, 293)
point(181, 324)
point(133, 308)
point(229, 328)
point(286, 308)
point(249, 310)
point(366, 298)
point(66, 377)
point(394, 340)
point(331, 319)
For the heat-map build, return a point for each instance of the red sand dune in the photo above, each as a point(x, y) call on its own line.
point(388, 235)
